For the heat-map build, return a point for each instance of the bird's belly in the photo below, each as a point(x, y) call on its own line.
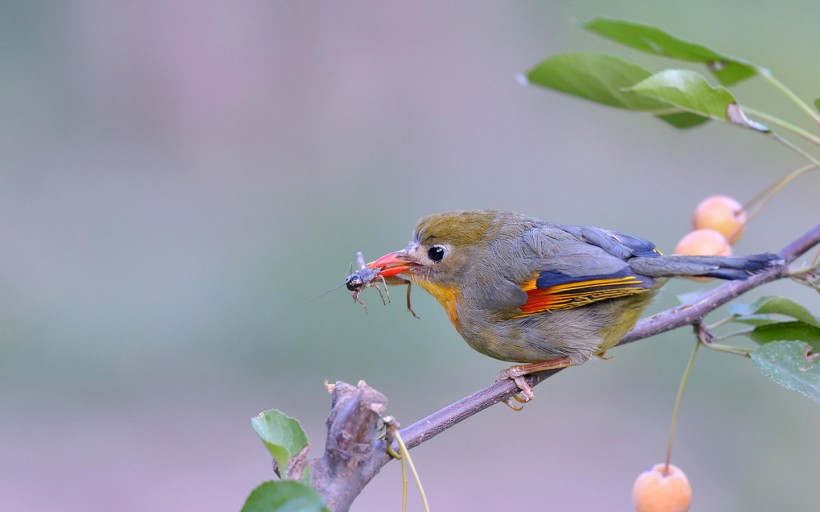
point(577, 333)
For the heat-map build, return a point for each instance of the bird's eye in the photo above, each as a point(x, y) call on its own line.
point(436, 253)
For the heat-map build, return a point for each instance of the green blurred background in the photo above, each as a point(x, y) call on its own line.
point(179, 181)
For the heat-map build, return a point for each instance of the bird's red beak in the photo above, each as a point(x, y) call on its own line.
point(392, 264)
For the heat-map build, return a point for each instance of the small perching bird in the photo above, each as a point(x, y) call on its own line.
point(529, 291)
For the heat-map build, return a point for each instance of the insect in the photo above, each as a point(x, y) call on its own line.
point(366, 277)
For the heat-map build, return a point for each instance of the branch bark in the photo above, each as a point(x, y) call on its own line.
point(340, 476)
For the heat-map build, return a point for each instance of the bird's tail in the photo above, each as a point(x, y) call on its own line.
point(721, 267)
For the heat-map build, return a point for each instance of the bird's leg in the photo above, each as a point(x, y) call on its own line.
point(517, 373)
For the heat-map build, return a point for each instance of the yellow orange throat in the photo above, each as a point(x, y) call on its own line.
point(447, 297)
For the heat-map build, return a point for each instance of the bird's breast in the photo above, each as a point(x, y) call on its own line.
point(448, 297)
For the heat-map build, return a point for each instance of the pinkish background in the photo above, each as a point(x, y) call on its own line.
point(177, 182)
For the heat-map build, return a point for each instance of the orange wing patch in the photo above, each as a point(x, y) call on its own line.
point(578, 293)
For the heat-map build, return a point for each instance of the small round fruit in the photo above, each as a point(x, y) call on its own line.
point(723, 214)
point(655, 491)
point(704, 242)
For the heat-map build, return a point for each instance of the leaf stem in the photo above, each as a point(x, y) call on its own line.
point(729, 349)
point(765, 73)
point(783, 124)
point(742, 332)
point(721, 322)
point(706, 337)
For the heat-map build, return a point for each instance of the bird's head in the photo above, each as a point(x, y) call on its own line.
point(443, 248)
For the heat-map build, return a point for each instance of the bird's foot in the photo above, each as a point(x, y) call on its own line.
point(524, 396)
point(517, 374)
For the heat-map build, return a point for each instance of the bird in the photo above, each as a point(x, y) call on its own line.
point(540, 294)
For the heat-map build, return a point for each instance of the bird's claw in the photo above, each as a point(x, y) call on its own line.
point(526, 394)
point(517, 373)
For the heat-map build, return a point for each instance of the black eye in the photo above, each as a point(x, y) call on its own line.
point(436, 253)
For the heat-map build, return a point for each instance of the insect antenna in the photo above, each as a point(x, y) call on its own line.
point(326, 293)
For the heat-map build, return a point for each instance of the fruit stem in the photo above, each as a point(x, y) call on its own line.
point(681, 387)
point(766, 195)
point(391, 434)
point(405, 454)
point(777, 185)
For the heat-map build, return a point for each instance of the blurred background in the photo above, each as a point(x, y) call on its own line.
point(178, 181)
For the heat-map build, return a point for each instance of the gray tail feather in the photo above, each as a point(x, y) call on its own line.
point(721, 267)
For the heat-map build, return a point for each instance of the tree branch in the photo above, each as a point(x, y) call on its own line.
point(367, 467)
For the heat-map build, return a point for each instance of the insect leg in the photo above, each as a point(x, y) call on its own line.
point(356, 300)
point(409, 307)
point(384, 284)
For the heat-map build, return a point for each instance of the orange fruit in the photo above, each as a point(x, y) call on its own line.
point(704, 242)
point(723, 214)
point(656, 491)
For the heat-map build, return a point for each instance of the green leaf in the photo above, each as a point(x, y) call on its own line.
point(284, 496)
point(817, 104)
point(595, 77)
point(688, 90)
point(783, 306)
point(728, 70)
point(683, 119)
point(789, 364)
point(794, 330)
point(605, 79)
point(283, 436)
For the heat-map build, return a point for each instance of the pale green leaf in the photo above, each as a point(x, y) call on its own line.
point(595, 77)
point(790, 364)
point(283, 436)
point(688, 90)
point(783, 306)
point(605, 79)
point(284, 496)
point(728, 70)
